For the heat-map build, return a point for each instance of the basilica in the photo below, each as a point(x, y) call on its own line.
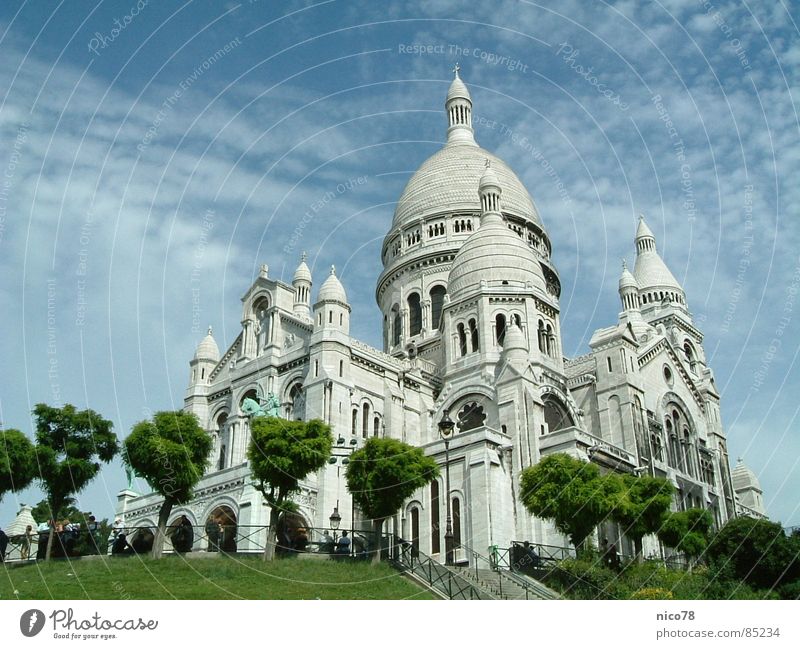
point(469, 296)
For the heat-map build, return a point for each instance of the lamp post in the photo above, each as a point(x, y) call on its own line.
point(446, 430)
point(335, 519)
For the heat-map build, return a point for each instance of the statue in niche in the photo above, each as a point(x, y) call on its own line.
point(270, 407)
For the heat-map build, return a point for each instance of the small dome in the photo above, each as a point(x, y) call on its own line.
point(302, 274)
point(458, 89)
point(489, 178)
point(332, 289)
point(207, 350)
point(743, 478)
point(627, 280)
point(496, 254)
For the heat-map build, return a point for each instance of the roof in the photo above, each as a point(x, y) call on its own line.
point(332, 289)
point(207, 350)
point(303, 273)
point(494, 251)
point(743, 478)
point(448, 182)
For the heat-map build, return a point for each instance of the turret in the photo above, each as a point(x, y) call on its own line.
point(302, 289)
point(458, 106)
point(628, 290)
point(332, 310)
point(657, 285)
point(205, 359)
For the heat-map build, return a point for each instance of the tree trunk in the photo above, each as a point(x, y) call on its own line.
point(54, 507)
point(161, 530)
point(272, 532)
point(638, 547)
point(50, 541)
point(377, 531)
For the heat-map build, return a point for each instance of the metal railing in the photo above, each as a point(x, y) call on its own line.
point(245, 539)
point(506, 573)
point(437, 576)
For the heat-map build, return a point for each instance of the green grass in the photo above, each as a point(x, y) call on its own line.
point(220, 577)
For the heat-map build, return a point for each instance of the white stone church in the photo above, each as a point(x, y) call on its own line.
point(470, 303)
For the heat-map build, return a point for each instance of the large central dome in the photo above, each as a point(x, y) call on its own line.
point(447, 182)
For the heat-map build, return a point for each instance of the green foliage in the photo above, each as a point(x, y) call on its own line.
point(582, 579)
point(385, 472)
point(757, 552)
point(586, 579)
point(170, 453)
point(570, 492)
point(640, 504)
point(70, 445)
point(687, 531)
point(282, 453)
point(17, 461)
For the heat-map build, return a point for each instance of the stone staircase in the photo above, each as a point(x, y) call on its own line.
point(502, 586)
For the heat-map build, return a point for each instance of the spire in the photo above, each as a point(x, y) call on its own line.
point(489, 190)
point(628, 289)
point(656, 283)
point(645, 240)
point(302, 289)
point(458, 106)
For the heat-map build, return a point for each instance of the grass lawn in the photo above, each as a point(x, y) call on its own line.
point(220, 577)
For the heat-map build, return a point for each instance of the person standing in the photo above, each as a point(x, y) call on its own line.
point(27, 541)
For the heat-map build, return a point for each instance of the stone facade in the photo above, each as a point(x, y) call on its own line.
point(471, 324)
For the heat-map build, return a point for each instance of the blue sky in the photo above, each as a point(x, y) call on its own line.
point(154, 155)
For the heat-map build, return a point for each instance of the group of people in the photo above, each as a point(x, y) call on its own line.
point(70, 539)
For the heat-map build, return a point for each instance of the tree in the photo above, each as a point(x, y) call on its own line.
point(281, 454)
point(640, 504)
point(170, 453)
point(382, 475)
point(756, 551)
point(70, 445)
point(17, 461)
point(570, 492)
point(687, 531)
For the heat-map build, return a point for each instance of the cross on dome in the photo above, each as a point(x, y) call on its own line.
point(456, 69)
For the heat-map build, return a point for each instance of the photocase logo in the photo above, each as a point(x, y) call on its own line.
point(31, 622)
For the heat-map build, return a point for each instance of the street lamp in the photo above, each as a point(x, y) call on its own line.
point(446, 430)
point(335, 518)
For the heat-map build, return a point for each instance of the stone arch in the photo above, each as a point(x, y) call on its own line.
point(437, 293)
point(220, 525)
point(562, 410)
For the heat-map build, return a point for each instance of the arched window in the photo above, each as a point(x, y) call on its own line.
point(473, 334)
point(551, 342)
point(414, 530)
point(686, 443)
point(462, 339)
point(376, 426)
point(690, 356)
point(500, 328)
point(297, 401)
point(437, 302)
point(470, 416)
point(435, 525)
point(354, 423)
point(456, 522)
point(556, 415)
point(414, 315)
point(365, 421)
point(542, 336)
point(397, 325)
point(518, 320)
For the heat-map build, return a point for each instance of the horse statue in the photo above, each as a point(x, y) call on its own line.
point(271, 407)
